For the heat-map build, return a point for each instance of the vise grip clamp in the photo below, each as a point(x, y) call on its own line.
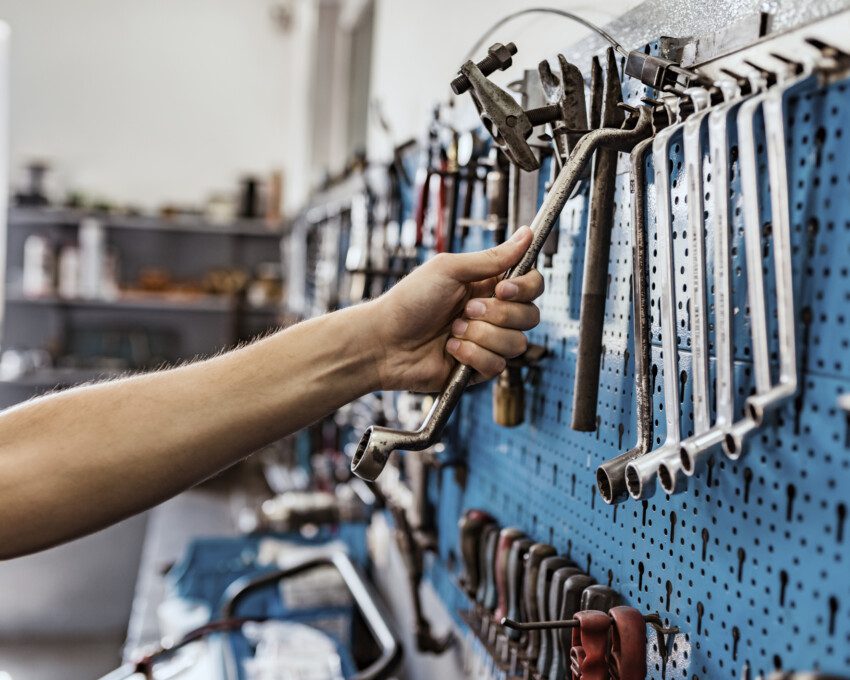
point(507, 122)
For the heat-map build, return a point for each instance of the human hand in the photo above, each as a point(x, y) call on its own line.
point(445, 309)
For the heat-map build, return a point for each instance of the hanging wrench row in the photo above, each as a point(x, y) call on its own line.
point(729, 111)
point(535, 614)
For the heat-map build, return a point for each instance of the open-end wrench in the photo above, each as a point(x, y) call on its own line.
point(641, 472)
point(670, 474)
point(611, 475)
point(377, 442)
point(695, 449)
point(767, 396)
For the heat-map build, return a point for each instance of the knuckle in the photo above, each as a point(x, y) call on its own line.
point(441, 261)
point(539, 283)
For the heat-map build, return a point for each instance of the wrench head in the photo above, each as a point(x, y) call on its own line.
point(376, 445)
point(671, 477)
point(736, 435)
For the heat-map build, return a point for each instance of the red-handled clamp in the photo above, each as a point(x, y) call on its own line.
point(588, 656)
point(628, 644)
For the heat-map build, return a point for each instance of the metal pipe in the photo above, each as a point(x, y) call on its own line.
point(611, 475)
point(377, 442)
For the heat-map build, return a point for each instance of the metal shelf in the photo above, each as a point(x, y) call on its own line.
point(29, 217)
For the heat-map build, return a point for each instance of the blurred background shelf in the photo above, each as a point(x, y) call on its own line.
point(66, 217)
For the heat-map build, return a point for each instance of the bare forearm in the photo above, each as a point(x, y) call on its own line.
point(78, 460)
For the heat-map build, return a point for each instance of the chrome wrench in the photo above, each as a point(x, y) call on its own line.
point(695, 449)
point(377, 442)
point(767, 396)
point(641, 472)
point(611, 475)
point(670, 470)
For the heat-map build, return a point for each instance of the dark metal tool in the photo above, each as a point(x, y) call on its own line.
point(471, 526)
point(486, 596)
point(544, 587)
point(551, 662)
point(516, 571)
point(611, 475)
point(597, 249)
point(507, 537)
point(377, 442)
point(412, 555)
point(600, 598)
point(536, 554)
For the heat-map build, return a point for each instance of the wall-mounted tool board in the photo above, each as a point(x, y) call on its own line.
point(752, 562)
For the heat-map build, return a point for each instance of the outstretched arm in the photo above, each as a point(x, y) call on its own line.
point(76, 461)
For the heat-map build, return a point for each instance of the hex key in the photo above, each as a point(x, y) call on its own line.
point(767, 396)
point(695, 449)
point(377, 442)
point(669, 470)
point(611, 475)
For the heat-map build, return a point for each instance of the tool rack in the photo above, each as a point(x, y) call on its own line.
point(750, 562)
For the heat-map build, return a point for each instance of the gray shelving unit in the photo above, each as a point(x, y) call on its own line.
point(178, 328)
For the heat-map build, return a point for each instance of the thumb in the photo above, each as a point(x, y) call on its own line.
point(469, 267)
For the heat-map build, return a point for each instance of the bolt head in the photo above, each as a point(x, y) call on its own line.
point(502, 54)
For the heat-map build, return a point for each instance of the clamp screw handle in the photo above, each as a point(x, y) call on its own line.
point(498, 59)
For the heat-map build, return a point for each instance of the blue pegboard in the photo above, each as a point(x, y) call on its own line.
point(755, 549)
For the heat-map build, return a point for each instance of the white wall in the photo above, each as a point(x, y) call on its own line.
point(160, 100)
point(420, 46)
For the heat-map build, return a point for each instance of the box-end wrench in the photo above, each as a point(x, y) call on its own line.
point(611, 475)
point(641, 472)
point(670, 473)
point(377, 442)
point(767, 396)
point(694, 450)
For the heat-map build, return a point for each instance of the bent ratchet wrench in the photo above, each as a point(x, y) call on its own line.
point(377, 442)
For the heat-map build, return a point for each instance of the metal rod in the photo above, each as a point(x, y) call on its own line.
point(596, 255)
point(611, 475)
